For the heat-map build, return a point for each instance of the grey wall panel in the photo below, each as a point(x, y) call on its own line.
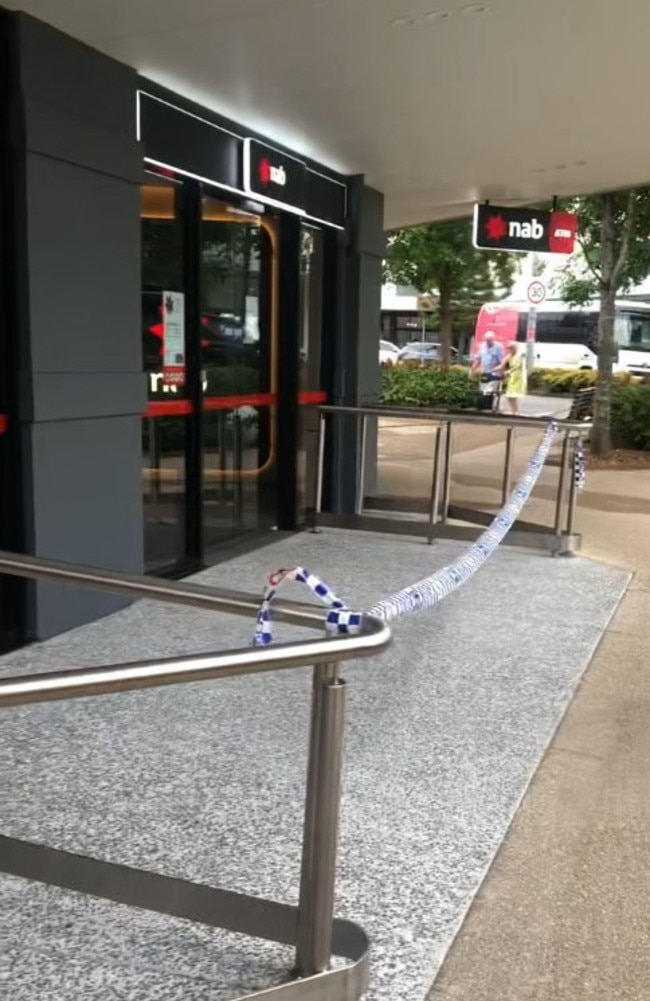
point(58, 134)
point(60, 396)
point(87, 509)
point(73, 76)
point(84, 269)
point(76, 169)
point(358, 377)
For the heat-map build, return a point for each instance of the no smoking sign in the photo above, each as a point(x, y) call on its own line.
point(536, 293)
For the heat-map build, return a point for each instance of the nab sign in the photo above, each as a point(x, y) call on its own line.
point(524, 231)
point(273, 176)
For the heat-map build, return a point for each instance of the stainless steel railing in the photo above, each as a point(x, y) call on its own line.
point(559, 538)
point(310, 926)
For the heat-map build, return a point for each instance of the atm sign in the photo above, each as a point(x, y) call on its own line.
point(524, 230)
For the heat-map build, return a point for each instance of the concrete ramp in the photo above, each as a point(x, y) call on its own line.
point(205, 782)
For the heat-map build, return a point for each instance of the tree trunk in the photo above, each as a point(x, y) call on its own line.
point(601, 442)
point(444, 306)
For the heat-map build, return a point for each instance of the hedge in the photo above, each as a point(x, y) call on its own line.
point(567, 381)
point(433, 386)
point(631, 417)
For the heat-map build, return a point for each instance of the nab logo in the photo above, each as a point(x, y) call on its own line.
point(497, 229)
point(268, 174)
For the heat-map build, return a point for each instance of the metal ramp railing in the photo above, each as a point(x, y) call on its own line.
point(311, 926)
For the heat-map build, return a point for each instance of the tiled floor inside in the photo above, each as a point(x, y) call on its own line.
point(205, 782)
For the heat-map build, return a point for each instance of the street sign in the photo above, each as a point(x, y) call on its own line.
point(536, 293)
point(524, 231)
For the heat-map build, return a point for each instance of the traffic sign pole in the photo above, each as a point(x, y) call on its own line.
point(531, 337)
point(536, 296)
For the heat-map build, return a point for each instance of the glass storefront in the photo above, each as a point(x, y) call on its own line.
point(165, 429)
point(239, 341)
point(212, 347)
point(312, 252)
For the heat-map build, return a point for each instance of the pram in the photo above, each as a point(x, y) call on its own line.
point(490, 388)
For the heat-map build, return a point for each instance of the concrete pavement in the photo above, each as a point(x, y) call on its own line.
point(563, 914)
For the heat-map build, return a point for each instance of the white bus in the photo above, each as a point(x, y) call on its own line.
point(567, 336)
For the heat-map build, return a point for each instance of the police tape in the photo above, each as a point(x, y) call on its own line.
point(425, 593)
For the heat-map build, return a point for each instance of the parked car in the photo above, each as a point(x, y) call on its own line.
point(424, 352)
point(388, 353)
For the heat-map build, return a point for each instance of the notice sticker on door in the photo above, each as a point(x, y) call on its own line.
point(173, 310)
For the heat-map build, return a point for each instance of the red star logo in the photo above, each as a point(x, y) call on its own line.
point(496, 227)
point(265, 171)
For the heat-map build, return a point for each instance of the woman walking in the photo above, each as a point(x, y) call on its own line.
point(514, 367)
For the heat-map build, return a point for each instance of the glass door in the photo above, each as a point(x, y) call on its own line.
point(239, 369)
point(309, 388)
point(165, 426)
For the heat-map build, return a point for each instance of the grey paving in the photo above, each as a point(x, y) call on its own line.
point(205, 782)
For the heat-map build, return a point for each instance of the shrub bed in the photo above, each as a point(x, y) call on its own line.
point(631, 417)
point(567, 381)
point(427, 386)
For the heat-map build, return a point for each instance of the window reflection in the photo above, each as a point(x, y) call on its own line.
point(238, 350)
point(164, 426)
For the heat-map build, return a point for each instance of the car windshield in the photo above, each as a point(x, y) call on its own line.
point(387, 346)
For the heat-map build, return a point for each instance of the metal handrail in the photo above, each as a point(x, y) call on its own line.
point(560, 538)
point(75, 683)
point(459, 417)
point(310, 926)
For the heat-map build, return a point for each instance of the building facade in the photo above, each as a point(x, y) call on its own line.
point(178, 296)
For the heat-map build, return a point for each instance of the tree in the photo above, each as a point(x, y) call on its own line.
point(614, 235)
point(440, 260)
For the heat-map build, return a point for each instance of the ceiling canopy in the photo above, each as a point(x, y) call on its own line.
point(438, 102)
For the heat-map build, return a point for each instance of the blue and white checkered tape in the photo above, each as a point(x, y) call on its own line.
point(426, 593)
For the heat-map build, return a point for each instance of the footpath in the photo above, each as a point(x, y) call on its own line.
point(563, 914)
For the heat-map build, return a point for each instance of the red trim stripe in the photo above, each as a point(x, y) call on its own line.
point(181, 408)
point(4, 423)
point(316, 396)
point(233, 402)
point(168, 408)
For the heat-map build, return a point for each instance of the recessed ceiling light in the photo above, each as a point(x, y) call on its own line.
point(437, 15)
point(401, 22)
point(475, 8)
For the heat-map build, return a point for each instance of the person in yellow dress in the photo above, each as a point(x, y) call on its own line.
point(514, 368)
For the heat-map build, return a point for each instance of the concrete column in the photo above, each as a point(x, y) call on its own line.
point(358, 380)
point(75, 168)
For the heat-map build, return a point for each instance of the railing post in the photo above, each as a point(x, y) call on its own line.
point(573, 489)
point(507, 469)
point(446, 489)
point(320, 836)
point(434, 507)
point(561, 487)
point(361, 480)
point(320, 461)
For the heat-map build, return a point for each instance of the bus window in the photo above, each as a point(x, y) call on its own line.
point(639, 330)
point(622, 333)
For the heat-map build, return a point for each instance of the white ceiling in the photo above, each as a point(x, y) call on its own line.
point(519, 101)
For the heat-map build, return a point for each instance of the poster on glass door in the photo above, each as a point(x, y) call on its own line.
point(173, 309)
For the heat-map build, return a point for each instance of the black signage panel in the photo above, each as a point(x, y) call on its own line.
point(181, 141)
point(524, 230)
point(275, 176)
point(326, 199)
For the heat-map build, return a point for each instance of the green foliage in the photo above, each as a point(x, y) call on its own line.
point(439, 259)
point(631, 417)
point(567, 381)
point(442, 254)
point(584, 282)
point(429, 386)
